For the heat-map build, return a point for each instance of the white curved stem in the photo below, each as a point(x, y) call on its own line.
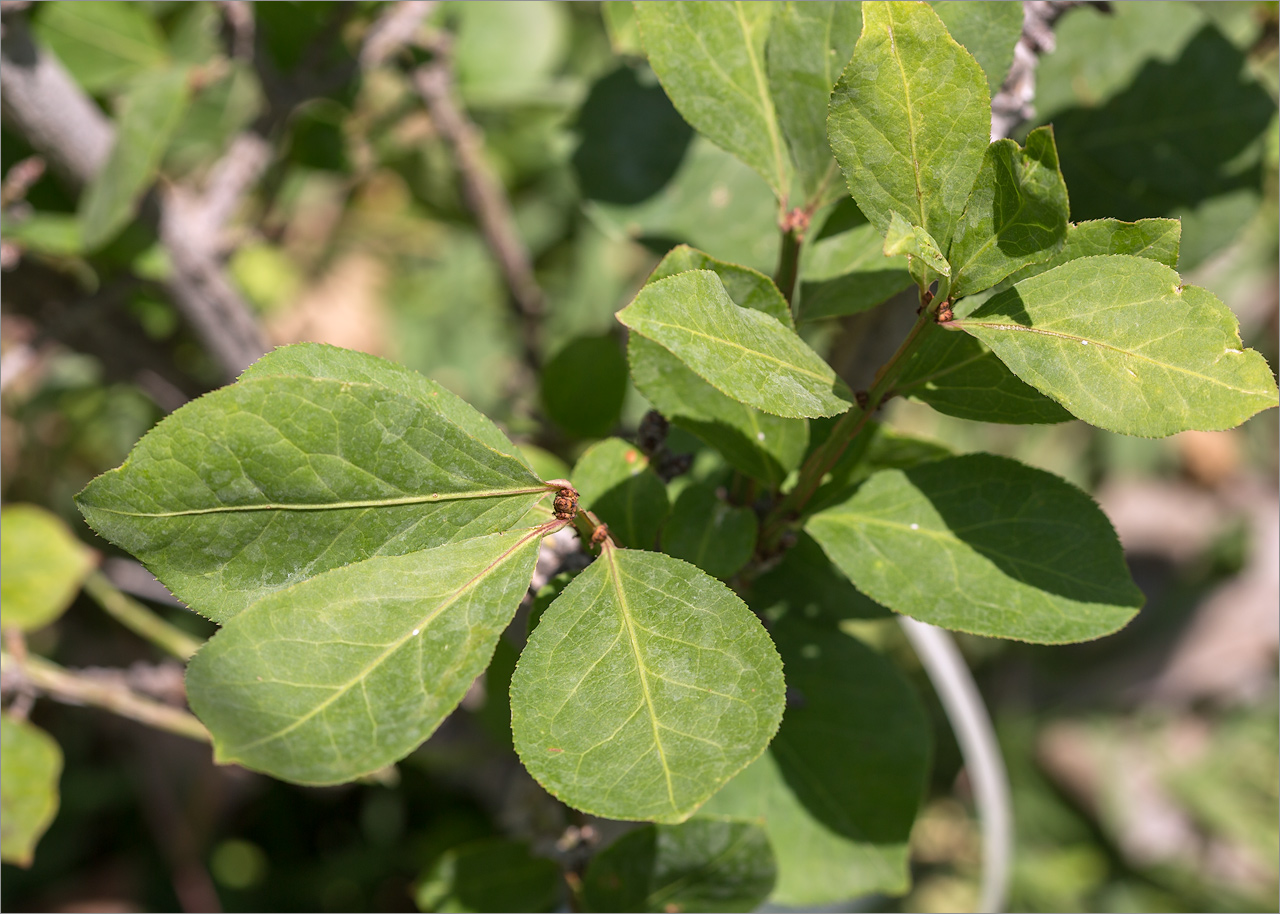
point(982, 759)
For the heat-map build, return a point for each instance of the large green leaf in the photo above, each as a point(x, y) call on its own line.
point(1016, 214)
point(316, 458)
point(150, 112)
point(844, 269)
point(957, 375)
point(646, 685)
point(41, 567)
point(701, 865)
point(839, 787)
point(1122, 344)
point(747, 287)
point(615, 482)
point(490, 875)
point(30, 766)
point(910, 119)
point(743, 353)
point(988, 29)
point(104, 44)
point(1154, 239)
point(986, 545)
point(350, 670)
point(709, 57)
point(764, 447)
point(809, 45)
point(709, 532)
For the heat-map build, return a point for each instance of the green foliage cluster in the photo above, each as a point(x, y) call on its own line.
point(362, 536)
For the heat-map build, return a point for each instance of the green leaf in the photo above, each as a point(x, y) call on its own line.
point(904, 238)
point(959, 376)
point(764, 447)
point(584, 384)
point(1123, 345)
point(879, 447)
point(614, 481)
point(620, 23)
point(709, 57)
point(490, 875)
point(844, 270)
point(709, 532)
point(645, 687)
point(988, 29)
point(350, 670)
point(839, 787)
point(809, 44)
point(1016, 215)
point(103, 45)
point(985, 545)
point(317, 458)
point(30, 766)
point(747, 287)
point(744, 354)
point(910, 119)
point(42, 566)
point(805, 584)
point(507, 55)
point(695, 866)
point(150, 112)
point(1154, 239)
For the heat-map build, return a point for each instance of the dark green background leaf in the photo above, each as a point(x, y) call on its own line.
point(709, 532)
point(584, 384)
point(614, 481)
point(492, 875)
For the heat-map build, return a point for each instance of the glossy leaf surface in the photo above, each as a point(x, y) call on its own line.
point(1154, 239)
point(316, 458)
point(42, 566)
point(1016, 214)
point(985, 545)
point(839, 787)
point(910, 119)
point(710, 58)
point(351, 670)
point(646, 685)
point(743, 353)
point(1123, 345)
point(30, 767)
point(695, 866)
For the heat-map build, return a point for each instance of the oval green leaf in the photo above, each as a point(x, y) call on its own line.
point(42, 566)
point(709, 58)
point(30, 766)
point(910, 119)
point(280, 477)
point(490, 875)
point(701, 865)
point(839, 788)
point(985, 545)
point(646, 685)
point(351, 670)
point(747, 287)
point(1123, 345)
point(1154, 239)
point(743, 353)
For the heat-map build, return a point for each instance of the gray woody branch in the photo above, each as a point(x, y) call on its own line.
point(65, 126)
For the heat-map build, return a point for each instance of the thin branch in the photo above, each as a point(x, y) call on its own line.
point(138, 619)
point(485, 194)
point(392, 31)
point(64, 125)
point(74, 688)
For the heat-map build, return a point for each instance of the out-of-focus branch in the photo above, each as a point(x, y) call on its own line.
point(1012, 105)
point(66, 127)
point(75, 688)
point(484, 192)
point(393, 30)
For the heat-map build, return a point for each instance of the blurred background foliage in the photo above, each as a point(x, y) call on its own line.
point(1144, 766)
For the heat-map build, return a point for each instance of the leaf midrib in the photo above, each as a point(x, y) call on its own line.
point(394, 646)
point(624, 608)
point(335, 505)
point(911, 120)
